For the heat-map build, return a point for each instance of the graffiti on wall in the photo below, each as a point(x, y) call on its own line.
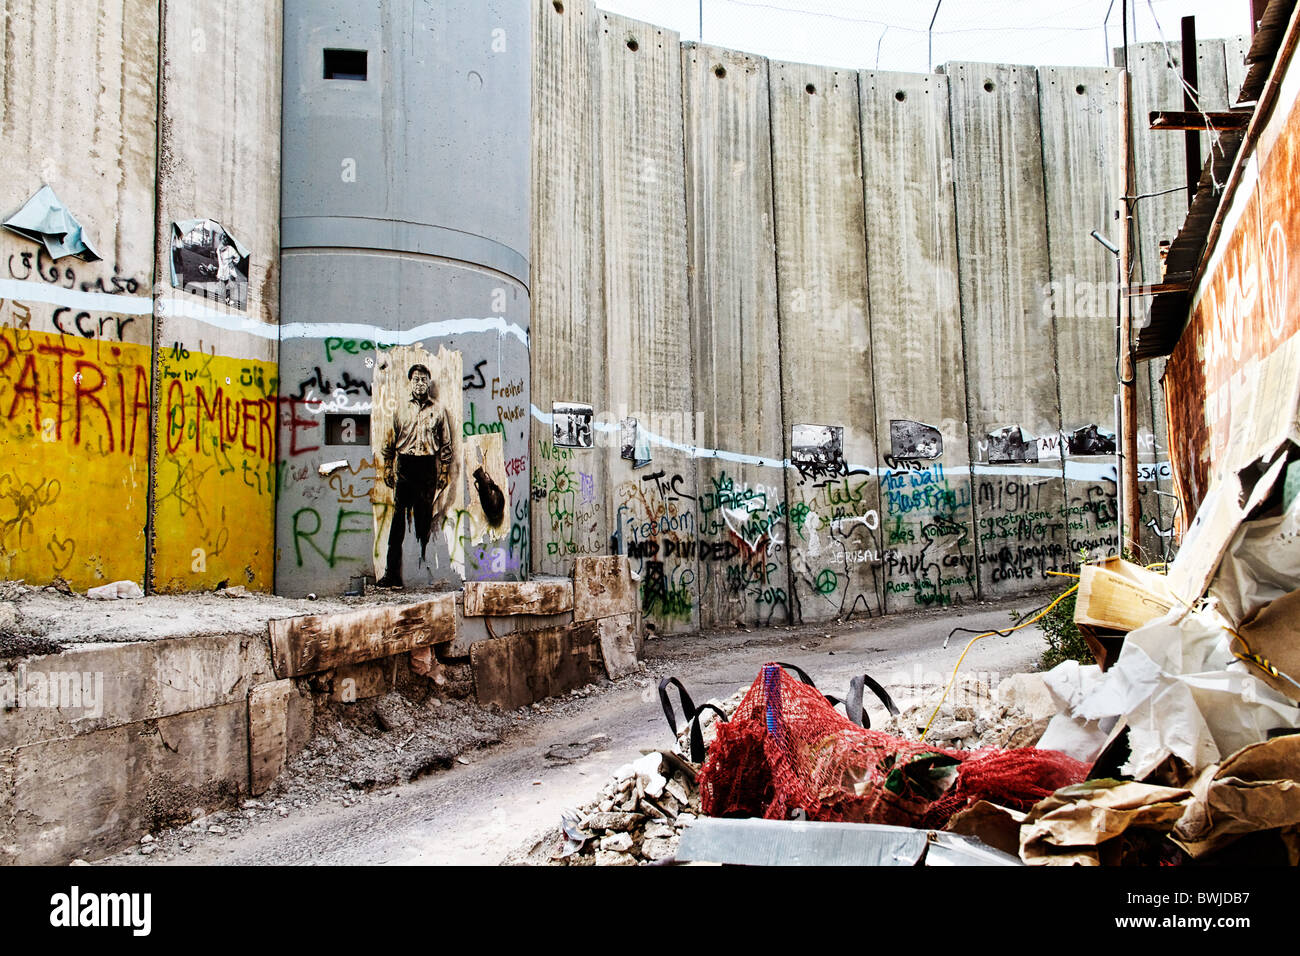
point(74, 422)
point(215, 470)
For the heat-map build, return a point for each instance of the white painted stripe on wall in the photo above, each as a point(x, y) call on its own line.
point(1074, 470)
point(27, 290)
point(194, 308)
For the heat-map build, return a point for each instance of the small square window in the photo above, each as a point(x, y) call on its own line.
point(345, 64)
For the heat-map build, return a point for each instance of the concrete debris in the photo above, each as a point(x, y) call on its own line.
point(972, 718)
point(118, 590)
point(646, 826)
point(620, 842)
point(394, 712)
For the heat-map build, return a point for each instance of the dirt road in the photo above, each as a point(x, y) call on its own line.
point(477, 812)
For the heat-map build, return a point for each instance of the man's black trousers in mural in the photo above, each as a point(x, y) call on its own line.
point(415, 490)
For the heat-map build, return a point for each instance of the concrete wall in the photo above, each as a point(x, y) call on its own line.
point(568, 299)
point(903, 257)
point(826, 340)
point(1082, 124)
point(735, 339)
point(139, 430)
point(1010, 343)
point(647, 322)
point(926, 516)
point(405, 221)
point(219, 156)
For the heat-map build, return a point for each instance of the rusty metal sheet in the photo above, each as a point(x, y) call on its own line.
point(1250, 306)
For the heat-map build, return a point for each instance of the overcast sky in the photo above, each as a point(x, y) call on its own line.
point(892, 34)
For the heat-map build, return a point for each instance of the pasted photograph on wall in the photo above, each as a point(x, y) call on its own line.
point(208, 261)
point(817, 451)
point(416, 436)
point(634, 443)
point(1091, 440)
point(912, 440)
point(571, 425)
point(1011, 444)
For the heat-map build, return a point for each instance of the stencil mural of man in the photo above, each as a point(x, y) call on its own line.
point(417, 456)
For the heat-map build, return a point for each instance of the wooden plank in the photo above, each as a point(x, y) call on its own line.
point(603, 587)
point(503, 598)
point(317, 642)
point(268, 717)
point(520, 669)
point(1184, 120)
point(618, 645)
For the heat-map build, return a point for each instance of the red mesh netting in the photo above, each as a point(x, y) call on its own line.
point(786, 748)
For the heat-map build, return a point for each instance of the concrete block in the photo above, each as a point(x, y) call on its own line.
point(502, 598)
point(129, 683)
point(268, 719)
point(518, 670)
point(305, 645)
point(603, 587)
point(91, 795)
point(619, 647)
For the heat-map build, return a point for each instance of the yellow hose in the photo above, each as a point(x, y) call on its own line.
point(978, 637)
point(1060, 574)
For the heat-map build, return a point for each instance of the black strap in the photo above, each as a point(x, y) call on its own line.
point(688, 705)
point(803, 675)
point(853, 703)
point(697, 733)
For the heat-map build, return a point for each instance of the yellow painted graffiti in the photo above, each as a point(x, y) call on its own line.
point(74, 425)
point(215, 488)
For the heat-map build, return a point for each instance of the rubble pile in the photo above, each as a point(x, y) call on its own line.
point(639, 815)
point(395, 739)
point(971, 718)
point(637, 818)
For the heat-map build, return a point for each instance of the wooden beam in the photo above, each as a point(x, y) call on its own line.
point(520, 669)
point(1159, 288)
point(305, 645)
point(503, 598)
point(268, 719)
point(1192, 120)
